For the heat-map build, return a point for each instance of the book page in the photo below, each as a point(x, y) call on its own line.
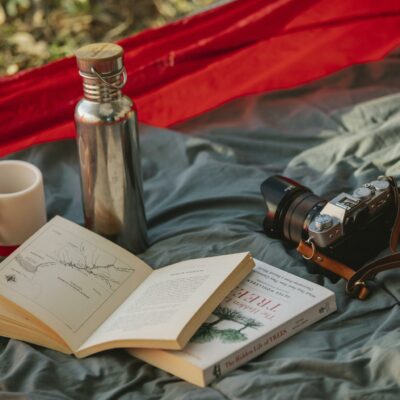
point(255, 316)
point(70, 278)
point(163, 305)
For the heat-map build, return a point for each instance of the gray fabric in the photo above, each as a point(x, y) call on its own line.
point(202, 198)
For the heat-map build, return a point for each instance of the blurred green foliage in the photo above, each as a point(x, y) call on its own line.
point(34, 32)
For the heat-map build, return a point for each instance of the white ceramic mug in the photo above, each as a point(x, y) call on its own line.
point(22, 202)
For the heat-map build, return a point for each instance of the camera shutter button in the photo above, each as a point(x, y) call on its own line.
point(323, 221)
point(362, 193)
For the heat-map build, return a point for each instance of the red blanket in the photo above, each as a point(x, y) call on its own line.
point(185, 68)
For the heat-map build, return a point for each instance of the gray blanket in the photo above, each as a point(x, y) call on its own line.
point(202, 197)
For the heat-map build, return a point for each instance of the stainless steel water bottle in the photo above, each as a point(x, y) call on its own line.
point(108, 146)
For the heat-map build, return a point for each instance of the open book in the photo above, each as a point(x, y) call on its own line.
point(69, 289)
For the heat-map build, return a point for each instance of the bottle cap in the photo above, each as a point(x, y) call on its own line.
point(104, 58)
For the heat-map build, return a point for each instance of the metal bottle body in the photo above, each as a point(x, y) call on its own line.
point(111, 176)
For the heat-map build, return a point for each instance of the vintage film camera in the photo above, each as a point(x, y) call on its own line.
point(350, 228)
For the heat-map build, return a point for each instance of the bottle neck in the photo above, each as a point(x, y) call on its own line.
point(101, 92)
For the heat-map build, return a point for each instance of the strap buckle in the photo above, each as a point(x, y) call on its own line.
point(359, 289)
point(311, 243)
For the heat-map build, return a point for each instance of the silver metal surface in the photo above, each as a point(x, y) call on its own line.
point(109, 154)
point(323, 221)
point(106, 81)
point(380, 185)
point(327, 236)
point(363, 193)
point(344, 208)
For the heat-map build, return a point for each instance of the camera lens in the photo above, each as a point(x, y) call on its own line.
point(290, 208)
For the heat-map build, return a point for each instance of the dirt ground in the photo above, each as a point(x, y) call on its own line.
point(34, 32)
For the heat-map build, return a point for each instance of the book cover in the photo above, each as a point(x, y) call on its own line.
point(266, 308)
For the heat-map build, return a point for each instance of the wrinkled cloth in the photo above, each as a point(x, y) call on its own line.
point(201, 186)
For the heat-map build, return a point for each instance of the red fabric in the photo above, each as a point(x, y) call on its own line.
point(7, 250)
point(186, 68)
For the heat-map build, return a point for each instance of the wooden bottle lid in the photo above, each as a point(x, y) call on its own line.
point(106, 58)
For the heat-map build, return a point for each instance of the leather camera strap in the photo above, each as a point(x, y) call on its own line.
point(356, 285)
point(309, 252)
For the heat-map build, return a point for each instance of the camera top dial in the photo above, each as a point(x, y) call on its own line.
point(345, 212)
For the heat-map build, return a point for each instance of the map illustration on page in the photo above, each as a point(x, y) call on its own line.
point(84, 274)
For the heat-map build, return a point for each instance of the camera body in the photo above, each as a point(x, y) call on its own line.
point(350, 228)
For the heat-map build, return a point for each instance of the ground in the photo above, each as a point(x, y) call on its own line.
point(35, 32)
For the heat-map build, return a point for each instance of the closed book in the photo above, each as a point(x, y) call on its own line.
point(266, 308)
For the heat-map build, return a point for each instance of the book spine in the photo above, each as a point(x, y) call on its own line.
point(270, 339)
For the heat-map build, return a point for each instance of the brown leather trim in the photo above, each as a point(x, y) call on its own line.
point(394, 236)
point(311, 253)
point(356, 285)
point(321, 259)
